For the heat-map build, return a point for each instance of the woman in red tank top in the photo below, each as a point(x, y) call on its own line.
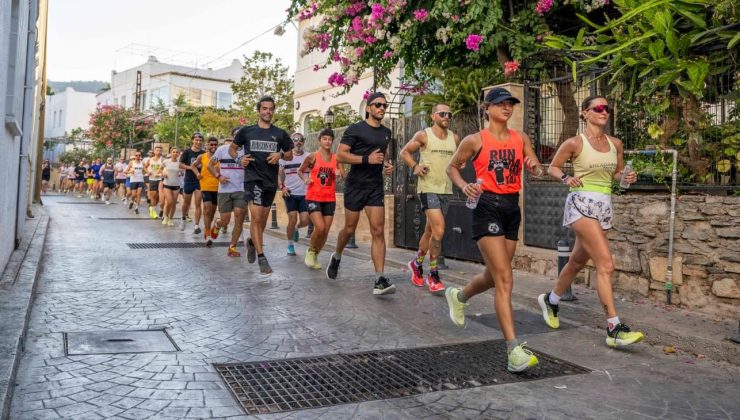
point(499, 155)
point(320, 193)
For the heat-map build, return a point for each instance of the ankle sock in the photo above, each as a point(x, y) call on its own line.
point(554, 299)
point(461, 296)
point(379, 274)
point(337, 256)
point(612, 322)
point(420, 257)
point(433, 263)
point(510, 344)
point(261, 255)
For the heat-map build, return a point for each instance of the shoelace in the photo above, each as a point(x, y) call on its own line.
point(526, 351)
point(620, 328)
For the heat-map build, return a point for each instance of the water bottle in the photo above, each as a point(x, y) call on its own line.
point(473, 201)
point(627, 169)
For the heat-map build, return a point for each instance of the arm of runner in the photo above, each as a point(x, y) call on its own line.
point(417, 142)
point(468, 147)
point(305, 165)
point(531, 162)
point(565, 152)
point(281, 182)
point(195, 166)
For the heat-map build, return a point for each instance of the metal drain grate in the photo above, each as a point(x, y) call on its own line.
point(525, 322)
point(183, 245)
point(80, 202)
point(294, 384)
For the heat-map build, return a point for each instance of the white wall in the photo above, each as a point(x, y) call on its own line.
point(68, 110)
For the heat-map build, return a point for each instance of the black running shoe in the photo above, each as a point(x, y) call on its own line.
point(251, 251)
point(383, 287)
point(136, 210)
point(264, 265)
point(130, 205)
point(161, 213)
point(333, 268)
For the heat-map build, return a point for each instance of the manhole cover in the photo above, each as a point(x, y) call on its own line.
point(169, 245)
point(525, 322)
point(113, 342)
point(294, 384)
point(80, 202)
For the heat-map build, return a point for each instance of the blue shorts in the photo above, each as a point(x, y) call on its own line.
point(128, 182)
point(190, 187)
point(296, 203)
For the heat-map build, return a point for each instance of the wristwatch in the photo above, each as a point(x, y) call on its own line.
point(564, 178)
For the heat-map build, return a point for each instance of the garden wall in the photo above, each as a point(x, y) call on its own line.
point(706, 265)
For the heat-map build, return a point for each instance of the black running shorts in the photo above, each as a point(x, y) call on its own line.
point(255, 193)
point(327, 208)
point(357, 197)
point(497, 215)
point(210, 196)
point(432, 201)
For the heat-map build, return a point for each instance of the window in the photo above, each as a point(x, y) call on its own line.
point(60, 118)
point(12, 57)
point(223, 100)
point(143, 104)
point(123, 101)
point(195, 96)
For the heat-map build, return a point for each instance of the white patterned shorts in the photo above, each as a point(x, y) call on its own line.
point(594, 205)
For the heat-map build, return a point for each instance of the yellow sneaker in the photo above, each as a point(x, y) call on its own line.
point(310, 258)
point(520, 359)
point(549, 311)
point(316, 265)
point(622, 336)
point(457, 308)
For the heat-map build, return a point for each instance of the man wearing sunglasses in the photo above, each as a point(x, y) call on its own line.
point(191, 187)
point(435, 145)
point(364, 146)
point(293, 190)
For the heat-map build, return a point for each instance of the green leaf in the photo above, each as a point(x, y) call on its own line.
point(629, 15)
point(672, 43)
point(630, 61)
point(697, 72)
point(733, 41)
point(618, 48)
point(579, 37)
point(656, 48)
point(695, 19)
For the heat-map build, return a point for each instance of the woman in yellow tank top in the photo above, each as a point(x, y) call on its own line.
point(597, 160)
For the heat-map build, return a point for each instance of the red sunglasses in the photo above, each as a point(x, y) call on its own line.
point(601, 109)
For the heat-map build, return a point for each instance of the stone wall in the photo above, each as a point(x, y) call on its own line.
point(706, 263)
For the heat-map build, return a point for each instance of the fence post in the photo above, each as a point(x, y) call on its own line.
point(274, 217)
point(563, 255)
point(736, 338)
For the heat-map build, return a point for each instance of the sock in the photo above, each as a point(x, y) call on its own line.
point(612, 322)
point(554, 299)
point(433, 263)
point(260, 255)
point(337, 256)
point(379, 274)
point(461, 296)
point(510, 344)
point(420, 257)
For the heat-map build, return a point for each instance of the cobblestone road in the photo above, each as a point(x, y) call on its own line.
point(217, 310)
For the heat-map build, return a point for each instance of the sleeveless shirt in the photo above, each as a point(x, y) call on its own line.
point(323, 176)
point(595, 169)
point(437, 155)
point(208, 182)
point(499, 163)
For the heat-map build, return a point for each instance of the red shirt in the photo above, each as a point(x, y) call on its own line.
point(323, 176)
point(499, 163)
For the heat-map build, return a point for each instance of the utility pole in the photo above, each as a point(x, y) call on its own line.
point(137, 98)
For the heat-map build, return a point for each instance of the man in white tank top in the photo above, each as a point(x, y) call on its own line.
point(136, 171)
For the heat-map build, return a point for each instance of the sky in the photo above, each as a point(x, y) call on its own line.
point(89, 38)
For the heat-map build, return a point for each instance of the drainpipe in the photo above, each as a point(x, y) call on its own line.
point(671, 220)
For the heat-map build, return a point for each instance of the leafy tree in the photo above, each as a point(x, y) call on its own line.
point(113, 127)
point(181, 124)
point(219, 122)
point(343, 117)
point(75, 156)
point(263, 75)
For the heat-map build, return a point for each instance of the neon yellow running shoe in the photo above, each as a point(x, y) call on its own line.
point(520, 359)
point(549, 311)
point(622, 336)
point(457, 308)
point(310, 258)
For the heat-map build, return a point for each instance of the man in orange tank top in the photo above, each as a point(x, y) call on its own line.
point(499, 154)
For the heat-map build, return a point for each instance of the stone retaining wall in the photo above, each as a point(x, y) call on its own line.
point(706, 264)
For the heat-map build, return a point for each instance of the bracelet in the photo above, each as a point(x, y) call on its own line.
point(365, 160)
point(564, 178)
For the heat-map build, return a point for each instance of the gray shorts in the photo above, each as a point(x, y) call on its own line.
point(229, 201)
point(430, 201)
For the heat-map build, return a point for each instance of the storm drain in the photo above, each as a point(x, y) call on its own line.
point(525, 322)
point(171, 245)
point(295, 384)
point(80, 202)
point(114, 342)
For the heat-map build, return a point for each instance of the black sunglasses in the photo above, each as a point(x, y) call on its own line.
point(379, 105)
point(444, 114)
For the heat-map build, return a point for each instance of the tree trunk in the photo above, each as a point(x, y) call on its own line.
point(692, 114)
point(567, 99)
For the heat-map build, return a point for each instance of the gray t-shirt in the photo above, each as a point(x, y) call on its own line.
point(292, 180)
point(230, 168)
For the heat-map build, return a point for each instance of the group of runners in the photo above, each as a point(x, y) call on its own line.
point(244, 175)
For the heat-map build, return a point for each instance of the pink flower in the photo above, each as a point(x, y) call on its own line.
point(353, 9)
point(543, 6)
point(358, 52)
point(388, 54)
point(511, 67)
point(316, 67)
point(367, 95)
point(377, 11)
point(472, 42)
point(337, 79)
point(455, 18)
point(421, 15)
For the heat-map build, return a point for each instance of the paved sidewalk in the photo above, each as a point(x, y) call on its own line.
point(218, 310)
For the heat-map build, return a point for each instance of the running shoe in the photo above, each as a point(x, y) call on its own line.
point(209, 242)
point(435, 284)
point(383, 287)
point(130, 205)
point(549, 311)
point(520, 359)
point(417, 273)
point(188, 219)
point(170, 222)
point(152, 212)
point(291, 250)
point(265, 268)
point(457, 308)
point(136, 210)
point(225, 230)
point(107, 202)
point(161, 213)
point(333, 268)
point(296, 235)
point(164, 221)
point(183, 222)
point(233, 252)
point(622, 336)
point(196, 230)
point(214, 231)
point(310, 258)
point(251, 251)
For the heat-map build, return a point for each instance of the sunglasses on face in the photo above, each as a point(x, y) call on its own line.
point(600, 109)
point(298, 140)
point(444, 114)
point(379, 105)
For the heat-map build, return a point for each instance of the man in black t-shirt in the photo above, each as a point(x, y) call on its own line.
point(191, 187)
point(80, 178)
point(364, 146)
point(264, 145)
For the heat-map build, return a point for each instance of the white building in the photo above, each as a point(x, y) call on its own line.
point(200, 87)
point(312, 93)
point(22, 72)
point(68, 110)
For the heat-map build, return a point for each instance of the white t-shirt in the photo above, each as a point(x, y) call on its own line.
point(137, 175)
point(292, 180)
point(230, 168)
point(172, 169)
point(121, 168)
